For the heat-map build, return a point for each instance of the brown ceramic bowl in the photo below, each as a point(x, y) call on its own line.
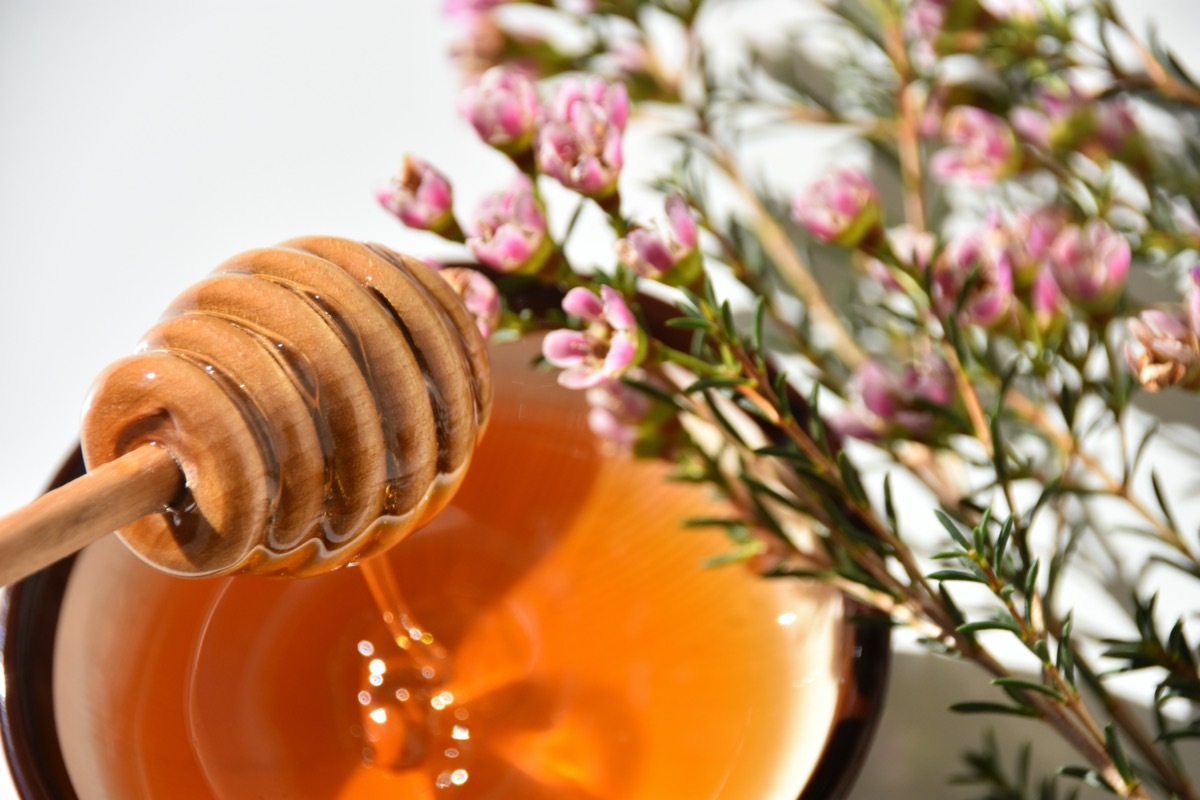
point(124, 682)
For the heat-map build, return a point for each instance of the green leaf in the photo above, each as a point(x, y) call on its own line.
point(850, 479)
point(1068, 404)
point(1064, 658)
point(691, 302)
point(1029, 686)
point(889, 507)
point(692, 323)
point(653, 391)
point(1141, 448)
point(1191, 731)
point(760, 309)
point(739, 554)
point(781, 388)
point(713, 522)
point(989, 625)
point(727, 319)
point(952, 528)
point(993, 708)
point(1031, 587)
point(1162, 501)
point(1113, 745)
point(979, 532)
point(816, 423)
point(955, 575)
point(1002, 542)
point(951, 606)
point(999, 455)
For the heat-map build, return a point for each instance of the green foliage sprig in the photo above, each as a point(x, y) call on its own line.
point(960, 301)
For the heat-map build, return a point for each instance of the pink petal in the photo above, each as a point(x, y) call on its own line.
point(616, 312)
point(621, 352)
point(683, 227)
point(566, 348)
point(580, 302)
point(581, 378)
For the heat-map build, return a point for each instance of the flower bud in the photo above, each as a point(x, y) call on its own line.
point(1061, 119)
point(579, 144)
point(981, 148)
point(975, 281)
point(420, 197)
point(1046, 303)
point(911, 247)
point(670, 254)
point(502, 106)
point(604, 350)
point(840, 208)
point(1090, 264)
point(1027, 239)
point(509, 234)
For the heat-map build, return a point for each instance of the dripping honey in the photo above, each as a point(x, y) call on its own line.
point(587, 652)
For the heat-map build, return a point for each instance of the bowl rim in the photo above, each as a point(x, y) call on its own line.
point(29, 612)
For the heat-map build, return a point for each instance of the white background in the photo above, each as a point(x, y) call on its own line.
point(143, 142)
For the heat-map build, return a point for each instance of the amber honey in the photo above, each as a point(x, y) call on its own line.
point(582, 651)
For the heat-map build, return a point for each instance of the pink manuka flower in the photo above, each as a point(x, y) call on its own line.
point(604, 350)
point(1090, 264)
point(1046, 302)
point(888, 402)
point(913, 248)
point(509, 234)
point(981, 148)
point(1063, 118)
point(479, 295)
point(653, 254)
point(1060, 118)
point(502, 106)
point(988, 299)
point(1115, 124)
point(840, 208)
point(1026, 241)
point(615, 412)
point(420, 196)
point(1117, 133)
point(579, 143)
point(1165, 350)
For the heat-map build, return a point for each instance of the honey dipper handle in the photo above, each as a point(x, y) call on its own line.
point(67, 519)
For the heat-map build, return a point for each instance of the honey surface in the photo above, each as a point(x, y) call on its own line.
point(591, 655)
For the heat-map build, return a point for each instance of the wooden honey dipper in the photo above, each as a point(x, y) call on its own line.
point(306, 406)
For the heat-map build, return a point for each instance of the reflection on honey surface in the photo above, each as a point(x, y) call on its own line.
point(578, 651)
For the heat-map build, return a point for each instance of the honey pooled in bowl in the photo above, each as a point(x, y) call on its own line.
point(590, 654)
